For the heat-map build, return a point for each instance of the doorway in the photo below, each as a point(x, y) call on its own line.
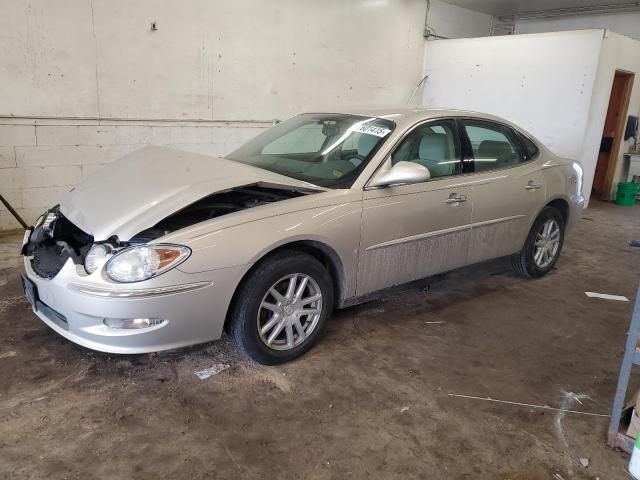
point(612, 134)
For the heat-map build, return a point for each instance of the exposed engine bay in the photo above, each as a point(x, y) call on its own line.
point(55, 239)
point(214, 206)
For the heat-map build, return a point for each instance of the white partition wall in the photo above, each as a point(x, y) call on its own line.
point(555, 85)
point(542, 82)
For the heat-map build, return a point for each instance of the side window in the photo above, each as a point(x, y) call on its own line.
point(434, 145)
point(493, 145)
point(530, 147)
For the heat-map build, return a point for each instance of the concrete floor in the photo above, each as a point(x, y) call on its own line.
point(371, 400)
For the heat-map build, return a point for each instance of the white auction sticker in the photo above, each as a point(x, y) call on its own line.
point(372, 130)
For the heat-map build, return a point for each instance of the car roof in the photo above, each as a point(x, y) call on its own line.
point(406, 116)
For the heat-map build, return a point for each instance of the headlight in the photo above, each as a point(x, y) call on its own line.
point(135, 264)
point(95, 257)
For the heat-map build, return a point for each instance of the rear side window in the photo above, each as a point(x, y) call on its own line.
point(494, 146)
point(530, 147)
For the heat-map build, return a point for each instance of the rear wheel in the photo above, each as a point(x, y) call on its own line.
point(282, 307)
point(543, 245)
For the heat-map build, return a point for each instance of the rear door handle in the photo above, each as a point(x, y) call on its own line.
point(531, 186)
point(455, 198)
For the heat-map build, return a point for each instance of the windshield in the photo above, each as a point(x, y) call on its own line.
point(329, 150)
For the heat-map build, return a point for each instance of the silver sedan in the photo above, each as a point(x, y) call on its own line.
point(164, 248)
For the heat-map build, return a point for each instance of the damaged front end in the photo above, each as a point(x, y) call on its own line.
point(53, 241)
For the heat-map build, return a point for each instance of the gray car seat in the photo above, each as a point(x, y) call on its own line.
point(494, 149)
point(433, 151)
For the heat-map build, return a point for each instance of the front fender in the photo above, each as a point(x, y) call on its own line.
point(337, 226)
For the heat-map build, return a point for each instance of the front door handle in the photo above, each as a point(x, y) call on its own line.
point(455, 198)
point(532, 186)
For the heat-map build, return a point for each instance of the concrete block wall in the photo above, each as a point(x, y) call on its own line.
point(40, 160)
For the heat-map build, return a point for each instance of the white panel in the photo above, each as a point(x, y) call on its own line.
point(543, 83)
point(555, 85)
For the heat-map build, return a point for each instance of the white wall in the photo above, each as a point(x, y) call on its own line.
point(542, 83)
point(451, 21)
point(627, 23)
point(85, 81)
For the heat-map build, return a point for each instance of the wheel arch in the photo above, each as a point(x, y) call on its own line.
point(324, 253)
point(558, 202)
point(561, 204)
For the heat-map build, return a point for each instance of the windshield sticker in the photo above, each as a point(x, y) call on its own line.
point(372, 130)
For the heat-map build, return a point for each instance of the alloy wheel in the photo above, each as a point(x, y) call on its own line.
point(547, 244)
point(289, 311)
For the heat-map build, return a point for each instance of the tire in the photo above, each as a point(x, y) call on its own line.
point(249, 316)
point(525, 262)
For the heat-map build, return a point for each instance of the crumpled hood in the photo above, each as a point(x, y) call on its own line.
point(137, 191)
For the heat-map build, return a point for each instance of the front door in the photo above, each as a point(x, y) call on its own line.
point(414, 231)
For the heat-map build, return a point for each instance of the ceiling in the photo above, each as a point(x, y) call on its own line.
point(515, 7)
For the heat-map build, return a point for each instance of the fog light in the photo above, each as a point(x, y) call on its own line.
point(132, 323)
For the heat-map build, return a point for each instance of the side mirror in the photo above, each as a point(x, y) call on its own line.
point(402, 173)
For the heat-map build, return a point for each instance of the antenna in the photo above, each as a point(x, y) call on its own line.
point(416, 89)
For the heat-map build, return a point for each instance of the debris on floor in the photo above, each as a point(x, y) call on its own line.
point(211, 371)
point(8, 354)
point(437, 322)
point(606, 296)
point(404, 409)
point(8, 302)
point(584, 462)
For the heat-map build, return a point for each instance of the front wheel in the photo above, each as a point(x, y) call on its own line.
point(282, 307)
point(543, 245)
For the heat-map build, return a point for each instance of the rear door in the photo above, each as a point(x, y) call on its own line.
point(413, 231)
point(508, 188)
